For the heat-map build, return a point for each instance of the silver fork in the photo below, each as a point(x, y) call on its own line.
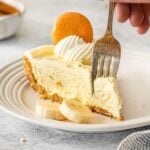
point(107, 52)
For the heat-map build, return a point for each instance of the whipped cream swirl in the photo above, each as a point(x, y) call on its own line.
point(80, 52)
point(73, 48)
point(66, 44)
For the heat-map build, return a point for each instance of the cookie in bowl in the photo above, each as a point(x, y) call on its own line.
point(11, 14)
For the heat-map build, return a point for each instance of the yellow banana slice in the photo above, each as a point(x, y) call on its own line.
point(47, 109)
point(42, 51)
point(75, 111)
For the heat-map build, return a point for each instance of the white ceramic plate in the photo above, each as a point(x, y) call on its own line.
point(18, 99)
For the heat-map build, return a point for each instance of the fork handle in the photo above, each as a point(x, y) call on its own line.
point(110, 17)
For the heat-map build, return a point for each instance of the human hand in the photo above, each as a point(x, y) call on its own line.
point(137, 13)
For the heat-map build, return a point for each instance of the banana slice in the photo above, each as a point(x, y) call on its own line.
point(47, 109)
point(42, 51)
point(75, 111)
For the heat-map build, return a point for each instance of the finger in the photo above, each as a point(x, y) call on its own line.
point(122, 12)
point(146, 23)
point(143, 28)
point(146, 9)
point(136, 15)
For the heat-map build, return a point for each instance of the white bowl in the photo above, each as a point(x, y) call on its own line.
point(9, 24)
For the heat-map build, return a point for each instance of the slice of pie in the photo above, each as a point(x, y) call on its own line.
point(59, 73)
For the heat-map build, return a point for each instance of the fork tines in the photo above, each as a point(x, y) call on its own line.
point(104, 65)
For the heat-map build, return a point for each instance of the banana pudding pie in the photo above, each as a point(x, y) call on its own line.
point(62, 72)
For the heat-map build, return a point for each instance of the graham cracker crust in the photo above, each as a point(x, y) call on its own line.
point(106, 113)
point(55, 97)
point(33, 83)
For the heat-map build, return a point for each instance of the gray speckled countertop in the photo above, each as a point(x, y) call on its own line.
point(39, 18)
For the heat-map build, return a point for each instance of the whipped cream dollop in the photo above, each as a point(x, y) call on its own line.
point(67, 43)
point(74, 48)
point(80, 52)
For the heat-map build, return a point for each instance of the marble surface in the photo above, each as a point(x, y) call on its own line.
point(35, 30)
